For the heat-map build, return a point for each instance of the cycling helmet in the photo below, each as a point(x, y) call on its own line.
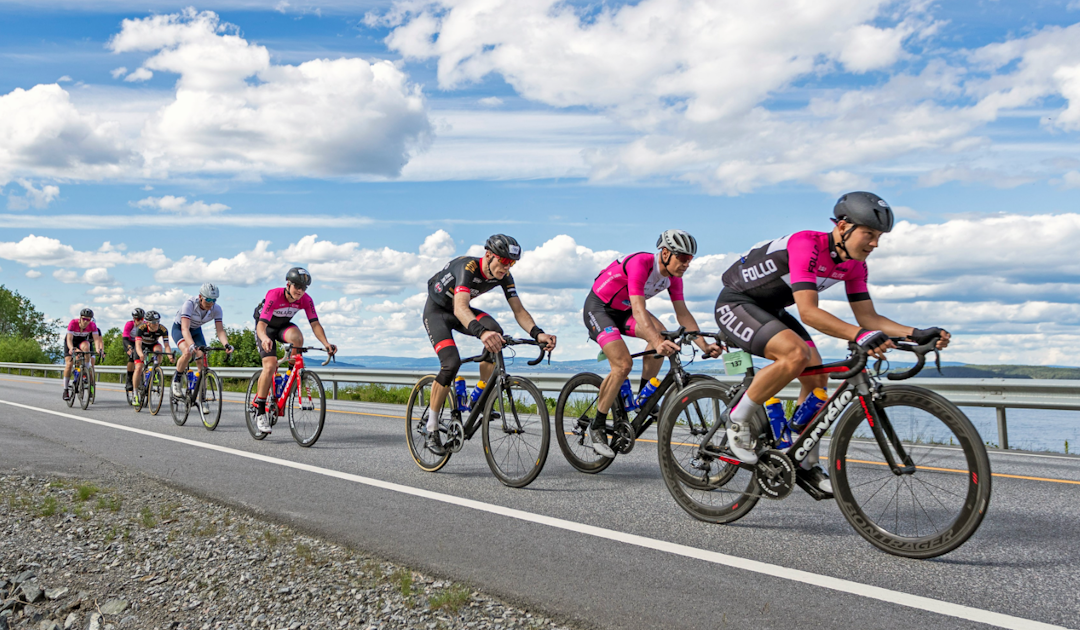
point(677, 242)
point(153, 317)
point(503, 246)
point(299, 277)
point(209, 291)
point(867, 209)
point(138, 314)
point(86, 313)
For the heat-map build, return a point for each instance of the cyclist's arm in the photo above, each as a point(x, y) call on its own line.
point(98, 343)
point(524, 319)
point(222, 336)
point(644, 328)
point(320, 334)
point(685, 319)
point(138, 348)
point(819, 319)
point(869, 319)
point(69, 339)
point(461, 308)
point(185, 331)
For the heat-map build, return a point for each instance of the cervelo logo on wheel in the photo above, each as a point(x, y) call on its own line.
point(835, 407)
point(727, 317)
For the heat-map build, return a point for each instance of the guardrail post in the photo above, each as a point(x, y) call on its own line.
point(1003, 430)
point(335, 389)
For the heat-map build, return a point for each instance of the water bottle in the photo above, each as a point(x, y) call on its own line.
point(460, 396)
point(279, 385)
point(649, 389)
point(476, 392)
point(191, 379)
point(806, 411)
point(626, 393)
point(775, 410)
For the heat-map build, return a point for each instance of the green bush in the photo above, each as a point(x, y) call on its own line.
point(22, 350)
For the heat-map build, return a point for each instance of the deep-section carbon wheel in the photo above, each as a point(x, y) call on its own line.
point(416, 426)
point(516, 432)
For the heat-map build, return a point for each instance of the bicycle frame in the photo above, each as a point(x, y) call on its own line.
point(498, 378)
point(290, 385)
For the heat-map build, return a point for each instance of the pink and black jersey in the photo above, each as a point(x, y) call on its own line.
point(635, 274)
point(80, 335)
point(128, 329)
point(277, 311)
point(770, 273)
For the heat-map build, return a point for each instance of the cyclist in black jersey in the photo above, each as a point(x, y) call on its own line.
point(149, 336)
point(447, 309)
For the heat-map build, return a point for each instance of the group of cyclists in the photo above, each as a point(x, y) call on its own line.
point(750, 312)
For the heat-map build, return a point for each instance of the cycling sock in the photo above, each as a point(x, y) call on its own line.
point(812, 457)
point(744, 410)
point(433, 420)
point(260, 405)
point(67, 382)
point(599, 421)
point(131, 375)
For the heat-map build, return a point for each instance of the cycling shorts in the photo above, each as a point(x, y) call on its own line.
point(749, 326)
point(440, 325)
point(148, 351)
point(77, 343)
point(606, 324)
point(196, 335)
point(129, 349)
point(275, 335)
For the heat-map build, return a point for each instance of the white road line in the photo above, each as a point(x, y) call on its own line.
point(813, 579)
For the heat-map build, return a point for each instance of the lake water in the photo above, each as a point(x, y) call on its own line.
point(1030, 429)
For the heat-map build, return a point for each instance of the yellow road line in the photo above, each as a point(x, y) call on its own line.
point(964, 472)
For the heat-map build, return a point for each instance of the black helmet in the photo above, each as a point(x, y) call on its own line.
point(153, 317)
point(138, 314)
point(86, 313)
point(298, 276)
point(863, 208)
point(503, 246)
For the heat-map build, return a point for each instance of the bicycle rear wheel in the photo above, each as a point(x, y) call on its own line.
point(249, 406)
point(416, 426)
point(516, 443)
point(93, 384)
point(574, 411)
point(708, 488)
point(211, 400)
point(180, 407)
point(307, 409)
point(84, 389)
point(74, 390)
point(156, 390)
point(931, 511)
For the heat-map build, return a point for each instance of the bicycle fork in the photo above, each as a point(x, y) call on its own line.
point(886, 436)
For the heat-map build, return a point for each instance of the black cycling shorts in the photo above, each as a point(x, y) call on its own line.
point(440, 325)
point(76, 343)
point(606, 324)
point(275, 335)
point(750, 327)
point(129, 349)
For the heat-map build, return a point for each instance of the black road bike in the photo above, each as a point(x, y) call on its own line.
point(83, 381)
point(511, 410)
point(151, 390)
point(576, 409)
point(909, 471)
point(202, 390)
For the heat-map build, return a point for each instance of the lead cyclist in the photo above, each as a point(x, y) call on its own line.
point(793, 270)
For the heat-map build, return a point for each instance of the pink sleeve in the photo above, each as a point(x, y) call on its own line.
point(675, 290)
point(92, 328)
point(73, 325)
point(268, 304)
point(127, 329)
point(637, 273)
point(855, 283)
point(309, 308)
point(803, 250)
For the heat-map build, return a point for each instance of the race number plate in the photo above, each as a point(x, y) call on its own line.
point(738, 362)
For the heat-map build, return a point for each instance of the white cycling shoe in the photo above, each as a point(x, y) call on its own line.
point(741, 441)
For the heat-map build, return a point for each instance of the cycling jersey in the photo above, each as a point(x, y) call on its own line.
point(465, 274)
point(771, 272)
point(197, 316)
point(128, 329)
point(636, 274)
point(150, 338)
point(79, 335)
point(277, 311)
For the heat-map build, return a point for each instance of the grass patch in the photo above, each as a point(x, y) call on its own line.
point(270, 537)
point(146, 517)
point(305, 553)
point(86, 491)
point(110, 502)
point(375, 393)
point(450, 600)
point(49, 507)
point(80, 511)
point(168, 511)
point(403, 580)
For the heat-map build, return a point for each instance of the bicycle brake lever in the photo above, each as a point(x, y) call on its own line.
point(937, 361)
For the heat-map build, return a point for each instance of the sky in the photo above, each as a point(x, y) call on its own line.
point(148, 147)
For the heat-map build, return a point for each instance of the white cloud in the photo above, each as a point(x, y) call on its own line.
point(118, 72)
point(36, 251)
point(438, 245)
point(245, 269)
point(33, 274)
point(96, 276)
point(139, 74)
point(490, 101)
point(64, 79)
point(38, 198)
point(180, 205)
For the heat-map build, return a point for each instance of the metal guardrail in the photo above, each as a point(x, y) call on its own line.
point(998, 393)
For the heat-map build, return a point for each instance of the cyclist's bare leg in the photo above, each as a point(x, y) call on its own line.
point(67, 367)
point(485, 371)
point(810, 383)
point(651, 364)
point(183, 360)
point(790, 356)
point(618, 356)
point(136, 379)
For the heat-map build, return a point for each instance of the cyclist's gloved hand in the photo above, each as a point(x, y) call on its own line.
point(191, 349)
point(332, 350)
point(872, 340)
point(229, 348)
point(923, 335)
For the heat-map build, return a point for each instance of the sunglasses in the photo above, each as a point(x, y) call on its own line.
point(684, 258)
point(84, 319)
point(209, 301)
point(506, 262)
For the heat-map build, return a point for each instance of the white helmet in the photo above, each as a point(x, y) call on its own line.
point(677, 242)
point(209, 291)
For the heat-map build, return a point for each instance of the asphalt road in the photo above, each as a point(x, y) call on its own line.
point(609, 550)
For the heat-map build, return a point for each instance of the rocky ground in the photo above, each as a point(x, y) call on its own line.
point(133, 553)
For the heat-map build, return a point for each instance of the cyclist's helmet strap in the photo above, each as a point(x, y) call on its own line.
point(503, 246)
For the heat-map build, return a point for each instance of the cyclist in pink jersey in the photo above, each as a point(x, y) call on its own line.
point(129, 343)
point(793, 270)
point(273, 323)
point(82, 335)
point(616, 306)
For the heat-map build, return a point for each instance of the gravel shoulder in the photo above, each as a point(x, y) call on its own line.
point(130, 552)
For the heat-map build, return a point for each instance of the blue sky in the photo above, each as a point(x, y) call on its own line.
point(147, 147)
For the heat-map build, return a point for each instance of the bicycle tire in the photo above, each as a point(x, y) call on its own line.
point(579, 394)
point(74, 390)
point(84, 390)
point(307, 425)
point(210, 394)
point(516, 452)
point(718, 494)
point(672, 393)
point(415, 429)
point(858, 466)
point(93, 385)
point(142, 402)
point(156, 390)
point(180, 407)
point(249, 406)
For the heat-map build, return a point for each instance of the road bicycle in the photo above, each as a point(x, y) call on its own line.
point(576, 409)
point(151, 391)
point(909, 471)
point(202, 390)
point(300, 395)
point(511, 410)
point(83, 379)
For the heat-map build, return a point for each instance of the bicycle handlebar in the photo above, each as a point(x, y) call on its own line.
point(859, 356)
point(287, 347)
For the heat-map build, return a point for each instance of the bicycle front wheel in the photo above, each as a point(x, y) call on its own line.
point(708, 488)
point(930, 511)
point(416, 413)
point(84, 390)
point(180, 407)
point(210, 400)
point(74, 390)
point(516, 432)
point(93, 384)
point(249, 406)
point(307, 409)
point(156, 391)
point(574, 411)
